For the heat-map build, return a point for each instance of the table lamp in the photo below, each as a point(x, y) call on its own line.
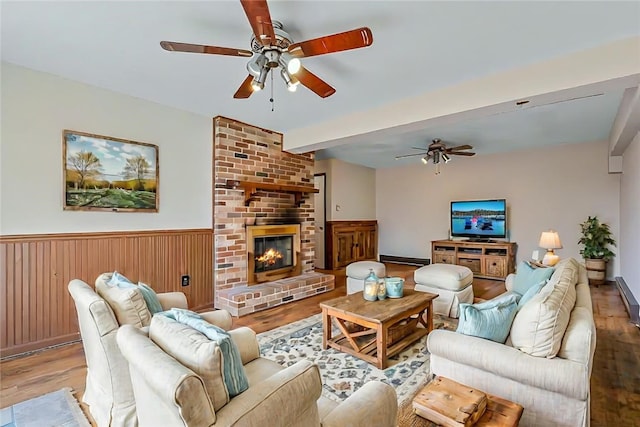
point(550, 240)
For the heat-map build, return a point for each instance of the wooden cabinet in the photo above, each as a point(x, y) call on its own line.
point(350, 241)
point(488, 260)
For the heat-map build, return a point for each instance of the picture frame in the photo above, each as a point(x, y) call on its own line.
point(103, 173)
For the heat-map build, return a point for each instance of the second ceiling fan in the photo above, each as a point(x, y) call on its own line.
point(273, 48)
point(437, 151)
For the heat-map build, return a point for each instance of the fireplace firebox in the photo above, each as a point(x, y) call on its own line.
point(273, 252)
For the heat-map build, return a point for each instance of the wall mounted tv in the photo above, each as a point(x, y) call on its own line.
point(480, 220)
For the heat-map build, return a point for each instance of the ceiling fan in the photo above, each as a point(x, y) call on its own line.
point(272, 48)
point(437, 151)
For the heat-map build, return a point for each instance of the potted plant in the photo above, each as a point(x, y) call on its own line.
point(596, 238)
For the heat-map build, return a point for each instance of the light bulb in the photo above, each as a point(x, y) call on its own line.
point(293, 66)
point(256, 85)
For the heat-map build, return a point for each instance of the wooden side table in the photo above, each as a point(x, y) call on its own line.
point(452, 404)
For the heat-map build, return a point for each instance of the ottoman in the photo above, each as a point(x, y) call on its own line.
point(451, 282)
point(357, 271)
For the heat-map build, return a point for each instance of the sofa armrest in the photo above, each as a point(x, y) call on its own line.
point(508, 281)
point(245, 339)
point(220, 318)
point(169, 300)
point(296, 388)
point(374, 404)
point(558, 375)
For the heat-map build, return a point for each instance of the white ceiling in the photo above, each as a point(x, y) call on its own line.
point(419, 46)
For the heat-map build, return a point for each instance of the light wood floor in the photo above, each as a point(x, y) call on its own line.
point(615, 381)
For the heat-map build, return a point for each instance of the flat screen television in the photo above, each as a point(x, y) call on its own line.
point(479, 220)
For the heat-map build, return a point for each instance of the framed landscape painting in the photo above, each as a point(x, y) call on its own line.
point(102, 173)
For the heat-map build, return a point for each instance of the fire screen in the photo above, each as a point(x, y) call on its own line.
point(273, 252)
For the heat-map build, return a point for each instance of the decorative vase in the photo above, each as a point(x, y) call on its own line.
point(395, 287)
point(370, 291)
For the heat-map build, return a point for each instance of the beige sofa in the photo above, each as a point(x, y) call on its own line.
point(108, 389)
point(548, 377)
point(177, 381)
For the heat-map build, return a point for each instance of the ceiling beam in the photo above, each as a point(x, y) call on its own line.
point(627, 122)
point(614, 66)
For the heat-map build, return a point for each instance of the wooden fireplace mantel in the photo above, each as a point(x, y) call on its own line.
point(251, 189)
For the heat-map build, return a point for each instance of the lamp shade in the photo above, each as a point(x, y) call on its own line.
point(550, 240)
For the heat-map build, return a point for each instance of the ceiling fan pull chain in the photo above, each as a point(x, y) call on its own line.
point(271, 99)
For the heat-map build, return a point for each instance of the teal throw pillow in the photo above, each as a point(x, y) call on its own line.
point(235, 379)
point(489, 320)
point(531, 292)
point(150, 298)
point(527, 276)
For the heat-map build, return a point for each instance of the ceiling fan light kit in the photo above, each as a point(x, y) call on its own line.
point(272, 47)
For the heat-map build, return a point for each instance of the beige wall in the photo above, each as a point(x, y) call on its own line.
point(350, 190)
point(36, 107)
point(552, 188)
point(629, 241)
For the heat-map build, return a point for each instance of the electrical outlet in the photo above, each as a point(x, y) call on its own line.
point(185, 280)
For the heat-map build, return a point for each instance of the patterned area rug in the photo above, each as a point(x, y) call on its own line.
point(56, 409)
point(343, 374)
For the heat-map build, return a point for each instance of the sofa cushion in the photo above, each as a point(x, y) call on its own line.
point(540, 324)
point(490, 319)
point(193, 350)
point(126, 301)
point(527, 276)
point(233, 372)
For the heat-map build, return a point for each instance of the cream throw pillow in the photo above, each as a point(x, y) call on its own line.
point(540, 324)
point(127, 303)
point(193, 350)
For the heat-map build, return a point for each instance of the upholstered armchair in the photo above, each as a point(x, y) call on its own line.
point(108, 389)
point(171, 392)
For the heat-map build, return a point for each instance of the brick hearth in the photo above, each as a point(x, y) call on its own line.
point(241, 300)
point(246, 153)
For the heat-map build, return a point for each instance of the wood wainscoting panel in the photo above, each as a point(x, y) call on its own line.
point(36, 309)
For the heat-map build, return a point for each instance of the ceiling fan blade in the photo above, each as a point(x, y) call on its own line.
point(260, 19)
point(411, 155)
point(245, 90)
point(200, 48)
point(459, 147)
point(354, 39)
point(314, 83)
point(461, 153)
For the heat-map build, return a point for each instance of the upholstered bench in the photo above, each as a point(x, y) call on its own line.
point(358, 271)
point(451, 282)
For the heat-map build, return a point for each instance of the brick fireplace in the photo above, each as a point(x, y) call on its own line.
point(262, 196)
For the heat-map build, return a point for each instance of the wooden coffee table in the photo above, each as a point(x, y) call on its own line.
point(377, 330)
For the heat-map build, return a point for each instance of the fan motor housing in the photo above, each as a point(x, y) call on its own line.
point(283, 40)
